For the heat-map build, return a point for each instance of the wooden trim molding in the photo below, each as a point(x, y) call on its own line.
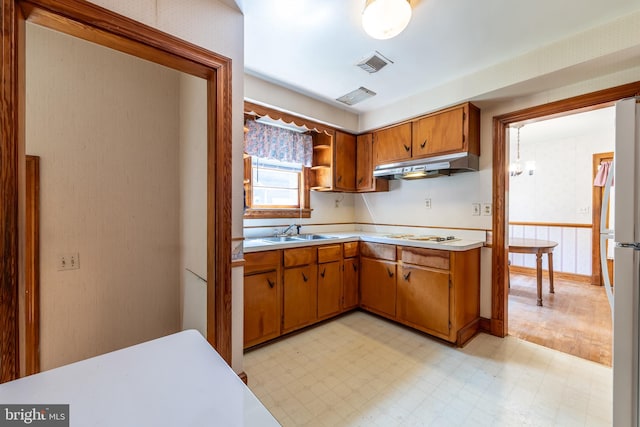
point(561, 275)
point(244, 378)
point(11, 140)
point(590, 101)
point(96, 24)
point(277, 213)
point(32, 266)
point(550, 224)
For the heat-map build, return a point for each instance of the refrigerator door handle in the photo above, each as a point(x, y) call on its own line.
point(605, 270)
point(605, 201)
point(634, 246)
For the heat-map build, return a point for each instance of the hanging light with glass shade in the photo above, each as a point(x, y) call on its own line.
point(384, 19)
point(516, 168)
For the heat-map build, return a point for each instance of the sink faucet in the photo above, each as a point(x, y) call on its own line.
point(286, 230)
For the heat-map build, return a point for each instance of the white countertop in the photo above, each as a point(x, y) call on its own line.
point(251, 245)
point(178, 380)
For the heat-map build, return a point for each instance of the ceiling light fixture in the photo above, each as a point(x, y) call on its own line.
point(515, 168)
point(384, 19)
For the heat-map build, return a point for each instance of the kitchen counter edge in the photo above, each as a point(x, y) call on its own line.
point(460, 245)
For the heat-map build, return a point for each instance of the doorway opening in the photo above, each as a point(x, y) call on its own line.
point(550, 200)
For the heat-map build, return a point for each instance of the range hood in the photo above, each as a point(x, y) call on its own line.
point(428, 168)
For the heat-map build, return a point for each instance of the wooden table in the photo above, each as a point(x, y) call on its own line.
point(538, 247)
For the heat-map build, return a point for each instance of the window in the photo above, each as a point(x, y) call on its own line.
point(275, 184)
point(278, 151)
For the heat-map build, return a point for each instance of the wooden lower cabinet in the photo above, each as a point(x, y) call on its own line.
point(261, 308)
point(423, 299)
point(300, 295)
point(329, 289)
point(378, 285)
point(262, 297)
point(350, 280)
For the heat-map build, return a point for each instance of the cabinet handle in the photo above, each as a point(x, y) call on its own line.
point(423, 144)
point(360, 180)
point(406, 147)
point(389, 272)
point(323, 271)
point(305, 278)
point(355, 267)
point(340, 178)
point(406, 276)
point(271, 284)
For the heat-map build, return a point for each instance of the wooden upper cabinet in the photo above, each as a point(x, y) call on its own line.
point(344, 162)
point(454, 130)
point(364, 166)
point(392, 144)
point(364, 162)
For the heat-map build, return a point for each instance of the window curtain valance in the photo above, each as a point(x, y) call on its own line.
point(276, 143)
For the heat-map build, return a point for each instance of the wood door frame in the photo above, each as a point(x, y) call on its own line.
point(499, 256)
point(596, 206)
point(93, 23)
point(32, 265)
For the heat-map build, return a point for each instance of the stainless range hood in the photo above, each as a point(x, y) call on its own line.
point(428, 168)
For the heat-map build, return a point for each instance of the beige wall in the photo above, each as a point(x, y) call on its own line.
point(105, 126)
point(193, 202)
point(217, 26)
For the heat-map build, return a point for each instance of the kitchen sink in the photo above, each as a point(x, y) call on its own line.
point(280, 239)
point(284, 239)
point(311, 237)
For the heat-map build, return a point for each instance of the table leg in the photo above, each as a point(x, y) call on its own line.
point(539, 276)
point(550, 255)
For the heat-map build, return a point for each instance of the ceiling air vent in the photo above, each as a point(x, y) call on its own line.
point(374, 63)
point(356, 96)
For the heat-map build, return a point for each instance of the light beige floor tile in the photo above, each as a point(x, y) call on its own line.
point(360, 370)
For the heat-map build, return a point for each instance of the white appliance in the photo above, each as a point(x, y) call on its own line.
point(625, 240)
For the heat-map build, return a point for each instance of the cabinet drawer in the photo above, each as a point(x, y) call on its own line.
point(350, 249)
point(299, 256)
point(426, 257)
point(256, 262)
point(378, 250)
point(329, 253)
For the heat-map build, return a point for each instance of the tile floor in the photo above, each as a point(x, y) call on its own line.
point(361, 370)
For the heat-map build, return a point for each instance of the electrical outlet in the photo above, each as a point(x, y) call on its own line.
point(486, 209)
point(427, 203)
point(475, 209)
point(68, 261)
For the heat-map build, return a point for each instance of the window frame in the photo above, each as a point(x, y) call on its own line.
point(252, 111)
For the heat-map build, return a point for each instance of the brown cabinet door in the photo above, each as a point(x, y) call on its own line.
point(329, 289)
point(378, 285)
point(300, 297)
point(261, 308)
point(364, 162)
point(439, 133)
point(350, 283)
point(345, 162)
point(423, 299)
point(392, 144)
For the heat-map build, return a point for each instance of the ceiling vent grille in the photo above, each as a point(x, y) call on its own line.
point(374, 62)
point(356, 96)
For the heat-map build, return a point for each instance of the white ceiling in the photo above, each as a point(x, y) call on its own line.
point(312, 46)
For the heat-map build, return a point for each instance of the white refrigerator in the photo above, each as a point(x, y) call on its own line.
point(624, 238)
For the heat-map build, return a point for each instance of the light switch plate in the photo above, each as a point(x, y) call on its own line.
point(69, 261)
point(475, 209)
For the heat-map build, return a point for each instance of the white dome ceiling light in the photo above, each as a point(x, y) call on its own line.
point(384, 19)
